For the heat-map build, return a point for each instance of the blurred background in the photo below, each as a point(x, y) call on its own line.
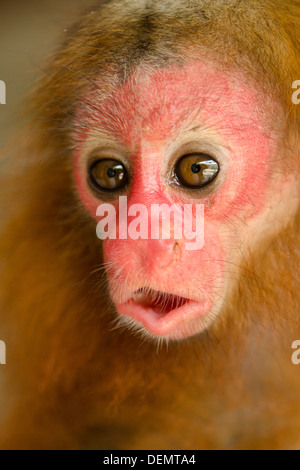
point(29, 31)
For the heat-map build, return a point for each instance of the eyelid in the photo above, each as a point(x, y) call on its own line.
point(215, 151)
point(111, 153)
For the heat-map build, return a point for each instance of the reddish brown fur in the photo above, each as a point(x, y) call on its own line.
point(70, 380)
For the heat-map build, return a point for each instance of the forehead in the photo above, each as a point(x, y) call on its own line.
point(155, 104)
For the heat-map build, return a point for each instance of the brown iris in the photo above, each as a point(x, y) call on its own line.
point(108, 175)
point(196, 170)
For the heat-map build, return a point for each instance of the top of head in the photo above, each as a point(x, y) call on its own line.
point(113, 40)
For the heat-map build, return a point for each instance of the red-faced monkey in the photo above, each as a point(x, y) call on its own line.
point(131, 343)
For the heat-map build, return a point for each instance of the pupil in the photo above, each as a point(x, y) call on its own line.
point(195, 168)
point(111, 173)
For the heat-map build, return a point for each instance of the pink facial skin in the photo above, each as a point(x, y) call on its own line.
point(151, 116)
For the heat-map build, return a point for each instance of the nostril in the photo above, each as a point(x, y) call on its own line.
point(176, 247)
point(163, 253)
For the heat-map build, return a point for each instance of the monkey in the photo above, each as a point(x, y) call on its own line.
point(140, 343)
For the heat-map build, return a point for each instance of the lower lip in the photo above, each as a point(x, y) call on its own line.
point(176, 324)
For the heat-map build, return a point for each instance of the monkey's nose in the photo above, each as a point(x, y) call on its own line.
point(161, 253)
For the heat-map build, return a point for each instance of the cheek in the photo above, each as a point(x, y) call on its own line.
point(247, 181)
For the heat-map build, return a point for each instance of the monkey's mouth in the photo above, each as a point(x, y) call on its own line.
point(162, 313)
point(160, 302)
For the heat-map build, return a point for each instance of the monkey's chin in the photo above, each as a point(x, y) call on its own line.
point(171, 320)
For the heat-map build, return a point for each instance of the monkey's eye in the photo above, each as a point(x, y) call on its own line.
point(108, 175)
point(196, 170)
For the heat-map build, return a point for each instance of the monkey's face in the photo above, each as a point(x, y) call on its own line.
point(192, 135)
